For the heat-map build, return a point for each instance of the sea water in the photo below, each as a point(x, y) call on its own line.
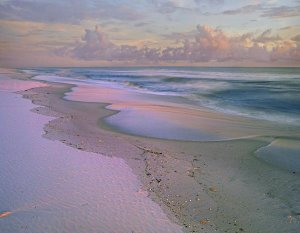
point(265, 93)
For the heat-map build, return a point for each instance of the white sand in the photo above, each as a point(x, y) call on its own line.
point(50, 187)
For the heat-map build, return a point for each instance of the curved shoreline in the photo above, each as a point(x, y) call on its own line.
point(49, 187)
point(188, 179)
point(134, 113)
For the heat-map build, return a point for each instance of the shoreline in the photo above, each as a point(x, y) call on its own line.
point(50, 187)
point(170, 119)
point(188, 179)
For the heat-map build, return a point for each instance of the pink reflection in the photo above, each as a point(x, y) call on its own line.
point(18, 85)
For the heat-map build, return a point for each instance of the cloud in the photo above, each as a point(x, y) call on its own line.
point(282, 12)
point(95, 45)
point(67, 11)
point(165, 6)
point(215, 45)
point(266, 11)
point(296, 38)
point(266, 36)
point(286, 28)
point(243, 10)
point(180, 36)
point(209, 45)
point(171, 6)
point(141, 24)
point(286, 51)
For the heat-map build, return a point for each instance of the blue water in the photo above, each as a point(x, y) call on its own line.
point(266, 93)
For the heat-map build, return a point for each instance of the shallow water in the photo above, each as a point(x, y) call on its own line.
point(49, 187)
point(164, 116)
point(264, 93)
point(283, 153)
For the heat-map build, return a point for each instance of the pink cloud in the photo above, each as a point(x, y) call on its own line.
point(209, 45)
point(95, 45)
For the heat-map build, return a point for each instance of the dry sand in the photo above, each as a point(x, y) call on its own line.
point(47, 186)
point(217, 186)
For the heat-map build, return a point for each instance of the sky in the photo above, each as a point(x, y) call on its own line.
point(48, 33)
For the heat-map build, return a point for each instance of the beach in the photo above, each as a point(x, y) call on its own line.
point(49, 187)
point(189, 169)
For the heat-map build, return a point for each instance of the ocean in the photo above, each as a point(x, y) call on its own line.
point(265, 93)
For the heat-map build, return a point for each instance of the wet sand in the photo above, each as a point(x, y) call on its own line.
point(166, 117)
point(218, 186)
point(47, 186)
